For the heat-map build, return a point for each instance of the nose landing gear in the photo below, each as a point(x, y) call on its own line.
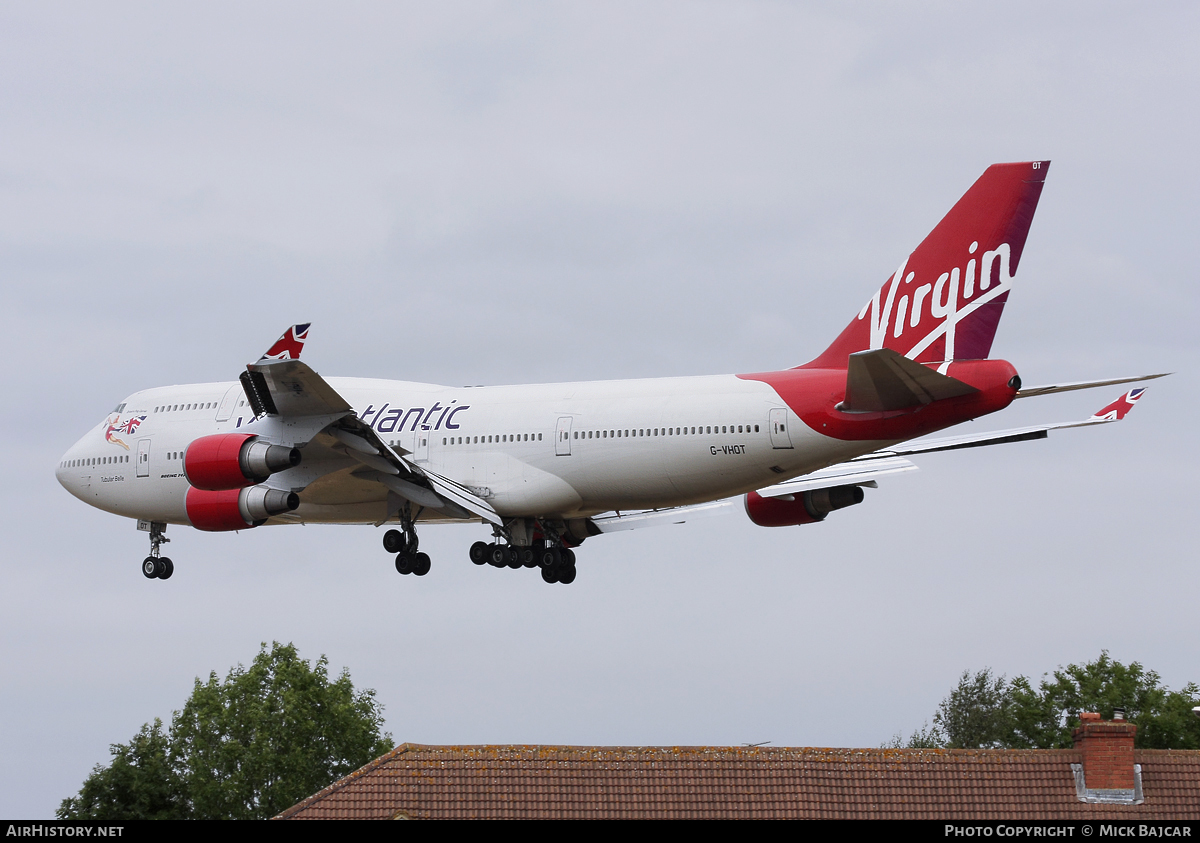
point(154, 566)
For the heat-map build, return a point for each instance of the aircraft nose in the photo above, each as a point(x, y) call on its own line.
point(70, 467)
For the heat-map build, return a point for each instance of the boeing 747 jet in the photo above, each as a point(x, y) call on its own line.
point(547, 466)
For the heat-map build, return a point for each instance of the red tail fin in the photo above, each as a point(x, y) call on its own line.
point(945, 300)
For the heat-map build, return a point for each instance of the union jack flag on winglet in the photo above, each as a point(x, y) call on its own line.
point(289, 346)
point(1117, 409)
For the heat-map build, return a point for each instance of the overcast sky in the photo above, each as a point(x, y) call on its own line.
point(484, 193)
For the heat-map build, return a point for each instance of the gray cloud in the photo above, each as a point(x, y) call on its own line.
point(507, 192)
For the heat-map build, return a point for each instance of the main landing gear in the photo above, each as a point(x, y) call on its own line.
point(409, 560)
point(557, 562)
point(403, 543)
point(155, 567)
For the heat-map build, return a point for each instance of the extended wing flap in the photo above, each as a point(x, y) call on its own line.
point(658, 517)
point(844, 474)
point(853, 473)
point(279, 385)
point(363, 443)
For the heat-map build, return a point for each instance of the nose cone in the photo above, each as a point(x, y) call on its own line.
point(73, 470)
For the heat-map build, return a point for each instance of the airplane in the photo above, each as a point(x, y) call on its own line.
point(547, 466)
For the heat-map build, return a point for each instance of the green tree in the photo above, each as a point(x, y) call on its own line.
point(1052, 712)
point(927, 737)
point(243, 748)
point(139, 784)
point(988, 711)
point(978, 713)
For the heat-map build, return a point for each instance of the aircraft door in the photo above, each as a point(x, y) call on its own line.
point(421, 446)
point(780, 438)
point(225, 410)
point(562, 437)
point(143, 458)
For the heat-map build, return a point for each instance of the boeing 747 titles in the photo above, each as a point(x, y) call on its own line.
point(548, 466)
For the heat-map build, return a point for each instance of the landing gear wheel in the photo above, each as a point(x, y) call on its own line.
point(548, 557)
point(566, 574)
point(393, 541)
point(150, 568)
point(479, 553)
point(550, 575)
point(404, 563)
point(167, 567)
point(528, 557)
point(498, 555)
point(420, 564)
point(514, 557)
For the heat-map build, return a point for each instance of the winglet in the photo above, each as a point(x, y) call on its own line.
point(1118, 409)
point(288, 346)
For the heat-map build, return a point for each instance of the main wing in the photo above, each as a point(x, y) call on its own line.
point(865, 471)
point(299, 405)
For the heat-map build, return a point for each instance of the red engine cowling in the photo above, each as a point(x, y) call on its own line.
point(233, 460)
point(801, 508)
point(236, 509)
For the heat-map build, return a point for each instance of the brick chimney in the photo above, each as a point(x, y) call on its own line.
point(1107, 749)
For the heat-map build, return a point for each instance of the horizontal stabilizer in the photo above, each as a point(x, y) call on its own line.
point(881, 380)
point(1048, 389)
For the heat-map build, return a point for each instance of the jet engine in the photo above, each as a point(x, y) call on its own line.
point(236, 509)
point(802, 507)
point(233, 460)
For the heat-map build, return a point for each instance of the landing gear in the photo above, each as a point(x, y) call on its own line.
point(562, 572)
point(416, 563)
point(557, 563)
point(404, 543)
point(154, 566)
point(394, 541)
point(498, 555)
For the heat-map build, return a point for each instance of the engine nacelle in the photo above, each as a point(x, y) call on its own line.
point(236, 509)
point(801, 508)
point(233, 460)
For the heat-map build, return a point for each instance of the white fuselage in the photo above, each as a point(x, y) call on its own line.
point(547, 450)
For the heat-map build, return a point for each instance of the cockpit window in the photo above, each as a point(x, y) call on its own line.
point(120, 408)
